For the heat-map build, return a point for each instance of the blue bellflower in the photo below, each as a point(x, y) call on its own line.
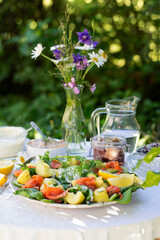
point(78, 58)
point(58, 54)
point(84, 37)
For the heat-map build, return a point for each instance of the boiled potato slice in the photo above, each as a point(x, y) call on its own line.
point(74, 183)
point(51, 182)
point(53, 172)
point(73, 161)
point(99, 182)
point(91, 175)
point(44, 170)
point(100, 195)
point(105, 185)
point(77, 198)
point(24, 177)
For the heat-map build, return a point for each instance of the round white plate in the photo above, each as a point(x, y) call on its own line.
point(68, 206)
point(61, 205)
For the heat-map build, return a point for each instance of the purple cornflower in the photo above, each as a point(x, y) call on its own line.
point(80, 66)
point(85, 61)
point(58, 54)
point(93, 88)
point(84, 37)
point(76, 90)
point(83, 64)
point(77, 58)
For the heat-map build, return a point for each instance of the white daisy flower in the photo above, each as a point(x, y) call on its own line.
point(95, 57)
point(85, 47)
point(37, 51)
point(21, 157)
point(103, 55)
point(56, 47)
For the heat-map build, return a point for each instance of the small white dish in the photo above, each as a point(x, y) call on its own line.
point(36, 147)
point(11, 140)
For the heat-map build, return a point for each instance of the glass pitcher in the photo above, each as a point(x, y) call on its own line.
point(120, 120)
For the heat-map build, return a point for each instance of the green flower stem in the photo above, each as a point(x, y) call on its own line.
point(78, 75)
point(87, 70)
point(55, 64)
point(48, 58)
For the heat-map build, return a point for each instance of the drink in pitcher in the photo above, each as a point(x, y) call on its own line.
point(120, 120)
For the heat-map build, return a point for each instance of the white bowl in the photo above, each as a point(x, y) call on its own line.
point(60, 149)
point(11, 140)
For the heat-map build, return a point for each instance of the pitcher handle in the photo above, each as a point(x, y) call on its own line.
point(96, 113)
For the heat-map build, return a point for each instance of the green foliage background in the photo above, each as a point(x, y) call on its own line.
point(128, 30)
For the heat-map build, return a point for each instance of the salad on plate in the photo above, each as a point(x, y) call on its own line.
point(74, 180)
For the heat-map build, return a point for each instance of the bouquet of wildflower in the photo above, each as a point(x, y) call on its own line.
point(74, 61)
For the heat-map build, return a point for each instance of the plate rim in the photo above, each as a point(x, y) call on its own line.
point(60, 205)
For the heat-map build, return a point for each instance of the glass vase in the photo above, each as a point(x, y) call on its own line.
point(73, 122)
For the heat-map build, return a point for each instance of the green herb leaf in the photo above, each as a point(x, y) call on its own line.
point(15, 183)
point(71, 173)
point(152, 179)
point(134, 188)
point(113, 197)
point(47, 201)
point(88, 165)
point(22, 192)
point(88, 193)
point(32, 171)
point(127, 194)
point(45, 158)
point(30, 193)
point(63, 182)
point(89, 197)
point(77, 188)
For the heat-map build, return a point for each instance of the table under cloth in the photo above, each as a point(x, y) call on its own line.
point(22, 219)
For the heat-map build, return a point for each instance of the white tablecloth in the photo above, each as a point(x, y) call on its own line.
point(26, 220)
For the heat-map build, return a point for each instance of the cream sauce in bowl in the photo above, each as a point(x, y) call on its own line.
point(38, 147)
point(40, 143)
point(11, 140)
